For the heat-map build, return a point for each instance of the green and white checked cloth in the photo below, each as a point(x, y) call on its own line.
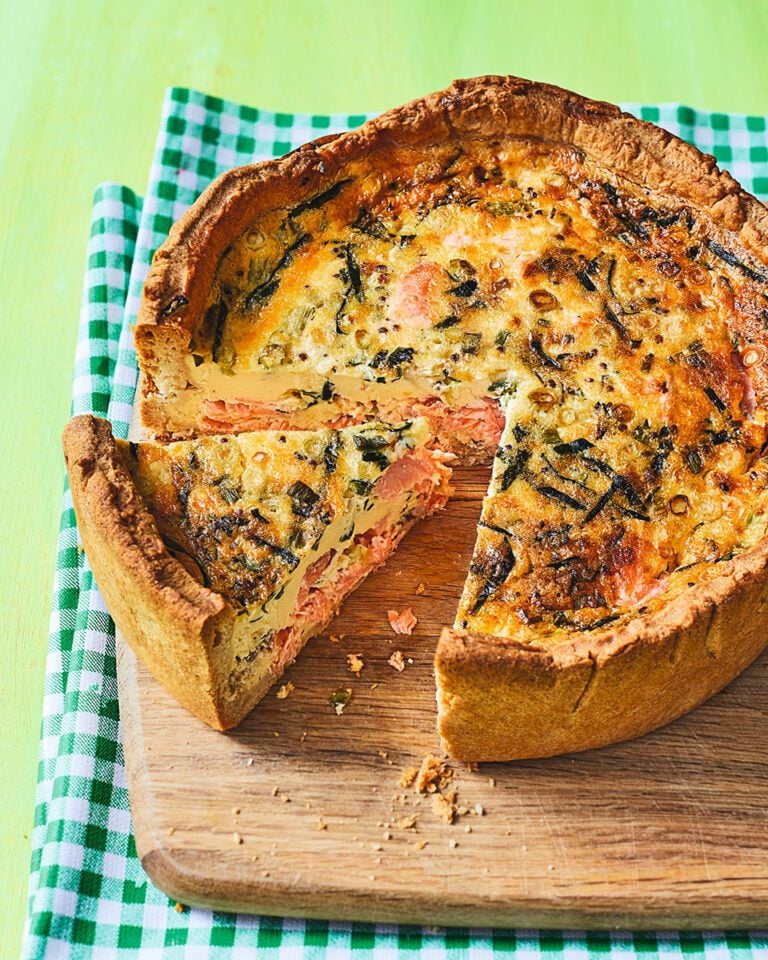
point(89, 897)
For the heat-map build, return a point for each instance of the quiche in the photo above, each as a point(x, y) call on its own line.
point(219, 557)
point(556, 287)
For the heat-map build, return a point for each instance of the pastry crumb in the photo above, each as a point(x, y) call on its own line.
point(402, 622)
point(236, 838)
point(479, 809)
point(421, 588)
point(453, 844)
point(249, 762)
point(235, 810)
point(408, 777)
point(397, 661)
point(407, 823)
point(420, 844)
point(355, 662)
point(444, 805)
point(179, 908)
point(434, 779)
point(334, 638)
point(321, 824)
point(434, 774)
point(285, 690)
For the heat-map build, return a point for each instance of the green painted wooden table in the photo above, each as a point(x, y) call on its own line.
point(81, 86)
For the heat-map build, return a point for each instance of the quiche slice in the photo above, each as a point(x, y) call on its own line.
point(219, 557)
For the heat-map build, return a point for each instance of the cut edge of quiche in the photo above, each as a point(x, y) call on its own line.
point(220, 557)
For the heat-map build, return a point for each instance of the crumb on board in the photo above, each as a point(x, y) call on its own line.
point(434, 774)
point(179, 908)
point(249, 762)
point(339, 699)
point(420, 844)
point(335, 637)
point(355, 662)
point(407, 823)
point(236, 838)
point(408, 777)
point(444, 804)
point(402, 622)
point(397, 661)
point(421, 588)
point(321, 824)
point(434, 778)
point(285, 690)
point(479, 809)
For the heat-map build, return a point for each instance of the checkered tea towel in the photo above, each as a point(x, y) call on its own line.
point(89, 897)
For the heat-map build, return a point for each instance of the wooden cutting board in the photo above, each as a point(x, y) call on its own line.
point(298, 812)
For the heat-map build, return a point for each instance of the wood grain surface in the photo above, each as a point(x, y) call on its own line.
point(299, 811)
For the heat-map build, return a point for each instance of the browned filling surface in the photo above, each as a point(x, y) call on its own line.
point(620, 336)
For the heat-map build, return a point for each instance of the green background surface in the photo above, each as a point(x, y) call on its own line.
point(81, 86)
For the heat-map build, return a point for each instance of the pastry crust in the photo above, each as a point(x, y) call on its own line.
point(170, 620)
